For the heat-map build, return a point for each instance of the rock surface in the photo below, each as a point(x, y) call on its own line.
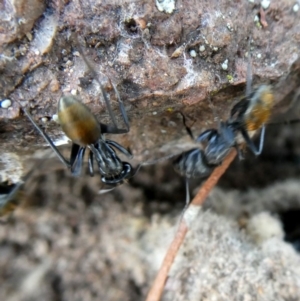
point(161, 62)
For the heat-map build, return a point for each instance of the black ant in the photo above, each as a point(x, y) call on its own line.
point(82, 127)
point(12, 195)
point(247, 116)
point(199, 163)
point(9, 198)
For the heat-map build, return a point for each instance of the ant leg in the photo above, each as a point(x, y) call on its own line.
point(122, 149)
point(238, 110)
point(114, 129)
point(122, 109)
point(110, 112)
point(206, 135)
point(108, 129)
point(97, 152)
point(187, 200)
point(249, 77)
point(47, 138)
point(240, 153)
point(76, 159)
point(249, 73)
point(187, 196)
point(107, 102)
point(91, 164)
point(77, 165)
point(250, 142)
point(262, 138)
point(74, 152)
point(188, 129)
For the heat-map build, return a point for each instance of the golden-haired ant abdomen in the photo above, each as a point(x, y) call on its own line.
point(77, 121)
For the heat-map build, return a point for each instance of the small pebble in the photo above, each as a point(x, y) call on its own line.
point(258, 55)
point(224, 65)
point(193, 53)
point(229, 27)
point(29, 36)
point(5, 103)
point(202, 48)
point(44, 119)
point(178, 52)
point(265, 4)
point(69, 63)
point(296, 7)
point(55, 118)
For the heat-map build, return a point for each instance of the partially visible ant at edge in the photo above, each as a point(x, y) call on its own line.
point(246, 117)
point(85, 131)
point(11, 196)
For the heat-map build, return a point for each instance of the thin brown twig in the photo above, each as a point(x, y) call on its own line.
point(160, 280)
point(263, 20)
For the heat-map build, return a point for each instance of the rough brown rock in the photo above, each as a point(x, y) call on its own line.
point(132, 43)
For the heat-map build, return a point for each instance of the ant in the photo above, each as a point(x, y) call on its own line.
point(9, 198)
point(84, 130)
point(199, 163)
point(12, 195)
point(246, 117)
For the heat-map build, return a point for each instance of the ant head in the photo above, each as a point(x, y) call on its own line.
point(126, 173)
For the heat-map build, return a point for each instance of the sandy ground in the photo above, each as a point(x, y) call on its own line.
point(74, 244)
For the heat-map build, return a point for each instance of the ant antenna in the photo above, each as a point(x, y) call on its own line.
point(121, 106)
point(188, 129)
point(214, 110)
point(249, 71)
point(165, 158)
point(46, 137)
